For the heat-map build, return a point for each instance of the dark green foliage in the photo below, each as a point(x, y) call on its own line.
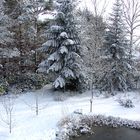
point(3, 86)
point(28, 81)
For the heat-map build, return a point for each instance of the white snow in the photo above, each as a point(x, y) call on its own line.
point(68, 73)
point(54, 56)
point(49, 43)
point(47, 16)
point(68, 42)
point(56, 28)
point(63, 50)
point(28, 126)
point(64, 35)
point(55, 67)
point(59, 82)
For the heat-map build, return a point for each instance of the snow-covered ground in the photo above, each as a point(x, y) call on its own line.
point(28, 126)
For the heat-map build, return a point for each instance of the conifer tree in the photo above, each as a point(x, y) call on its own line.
point(5, 23)
point(6, 38)
point(63, 44)
point(116, 50)
point(25, 17)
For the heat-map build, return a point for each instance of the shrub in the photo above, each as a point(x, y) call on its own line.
point(28, 81)
point(2, 91)
point(126, 103)
point(77, 125)
point(3, 86)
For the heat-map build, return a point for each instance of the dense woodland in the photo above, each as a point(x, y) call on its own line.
point(73, 49)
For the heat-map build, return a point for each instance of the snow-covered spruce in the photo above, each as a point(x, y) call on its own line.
point(63, 45)
point(119, 67)
point(74, 125)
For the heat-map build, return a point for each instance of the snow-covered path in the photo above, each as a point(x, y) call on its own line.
point(28, 126)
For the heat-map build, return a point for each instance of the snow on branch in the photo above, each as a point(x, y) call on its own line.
point(63, 50)
point(54, 56)
point(59, 82)
point(64, 35)
point(55, 67)
point(68, 73)
point(68, 42)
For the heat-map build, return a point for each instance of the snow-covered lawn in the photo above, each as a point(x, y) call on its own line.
point(28, 126)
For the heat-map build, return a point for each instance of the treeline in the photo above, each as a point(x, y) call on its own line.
point(21, 34)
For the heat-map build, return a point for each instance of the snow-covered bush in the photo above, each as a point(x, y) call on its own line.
point(27, 81)
point(100, 120)
point(76, 125)
point(72, 126)
point(126, 103)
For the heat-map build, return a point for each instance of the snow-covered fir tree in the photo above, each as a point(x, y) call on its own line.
point(31, 10)
point(6, 38)
point(116, 57)
point(63, 44)
point(25, 27)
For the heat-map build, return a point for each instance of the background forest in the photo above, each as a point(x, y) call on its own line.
point(73, 48)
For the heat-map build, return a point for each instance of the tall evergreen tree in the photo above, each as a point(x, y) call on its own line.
point(24, 15)
point(5, 23)
point(6, 38)
point(26, 33)
point(116, 51)
point(63, 45)
point(14, 10)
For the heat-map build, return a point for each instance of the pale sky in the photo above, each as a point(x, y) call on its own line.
point(100, 4)
point(108, 9)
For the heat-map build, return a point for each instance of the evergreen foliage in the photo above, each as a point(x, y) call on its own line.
point(63, 44)
point(21, 18)
point(119, 69)
point(5, 23)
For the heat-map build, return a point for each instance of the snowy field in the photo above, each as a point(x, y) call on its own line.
point(28, 126)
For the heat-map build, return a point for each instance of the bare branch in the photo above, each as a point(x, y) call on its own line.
point(131, 13)
point(6, 115)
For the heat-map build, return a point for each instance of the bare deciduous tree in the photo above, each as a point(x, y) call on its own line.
point(91, 32)
point(98, 9)
point(98, 29)
point(7, 113)
point(36, 106)
point(131, 12)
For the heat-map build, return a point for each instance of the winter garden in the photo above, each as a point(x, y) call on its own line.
point(69, 70)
